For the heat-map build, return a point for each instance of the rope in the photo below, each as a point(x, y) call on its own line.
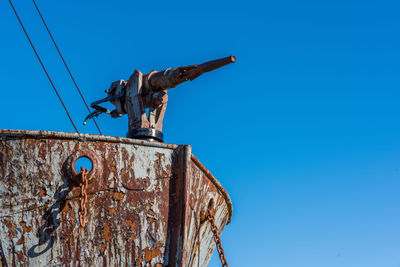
point(65, 64)
point(41, 63)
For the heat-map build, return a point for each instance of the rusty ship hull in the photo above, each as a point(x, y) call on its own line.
point(146, 202)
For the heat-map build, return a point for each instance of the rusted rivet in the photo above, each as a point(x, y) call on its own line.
point(84, 153)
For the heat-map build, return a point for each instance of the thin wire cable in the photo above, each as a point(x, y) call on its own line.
point(65, 64)
point(41, 63)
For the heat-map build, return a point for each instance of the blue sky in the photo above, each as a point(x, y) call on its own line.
point(303, 130)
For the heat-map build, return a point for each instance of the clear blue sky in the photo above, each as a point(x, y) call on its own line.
point(303, 130)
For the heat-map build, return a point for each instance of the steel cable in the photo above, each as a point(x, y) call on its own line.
point(41, 63)
point(65, 64)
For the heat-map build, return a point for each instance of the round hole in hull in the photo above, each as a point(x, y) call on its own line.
point(84, 162)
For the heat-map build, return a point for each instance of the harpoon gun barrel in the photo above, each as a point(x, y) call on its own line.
point(170, 78)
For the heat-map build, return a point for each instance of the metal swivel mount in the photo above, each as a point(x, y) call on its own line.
point(149, 91)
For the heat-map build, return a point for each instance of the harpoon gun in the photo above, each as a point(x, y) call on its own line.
point(149, 91)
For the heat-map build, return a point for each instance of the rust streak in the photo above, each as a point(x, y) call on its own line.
point(118, 196)
point(131, 224)
point(27, 229)
point(102, 248)
point(151, 253)
point(111, 211)
point(42, 192)
point(139, 260)
point(106, 233)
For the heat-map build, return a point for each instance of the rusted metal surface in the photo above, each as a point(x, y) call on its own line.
point(202, 189)
point(145, 202)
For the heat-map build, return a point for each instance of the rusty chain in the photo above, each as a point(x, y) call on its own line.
point(217, 239)
point(82, 208)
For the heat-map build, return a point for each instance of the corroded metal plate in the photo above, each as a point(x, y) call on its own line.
point(145, 204)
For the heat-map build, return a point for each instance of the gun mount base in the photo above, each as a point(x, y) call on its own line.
point(147, 134)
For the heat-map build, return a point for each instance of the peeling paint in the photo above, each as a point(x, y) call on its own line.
point(144, 204)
